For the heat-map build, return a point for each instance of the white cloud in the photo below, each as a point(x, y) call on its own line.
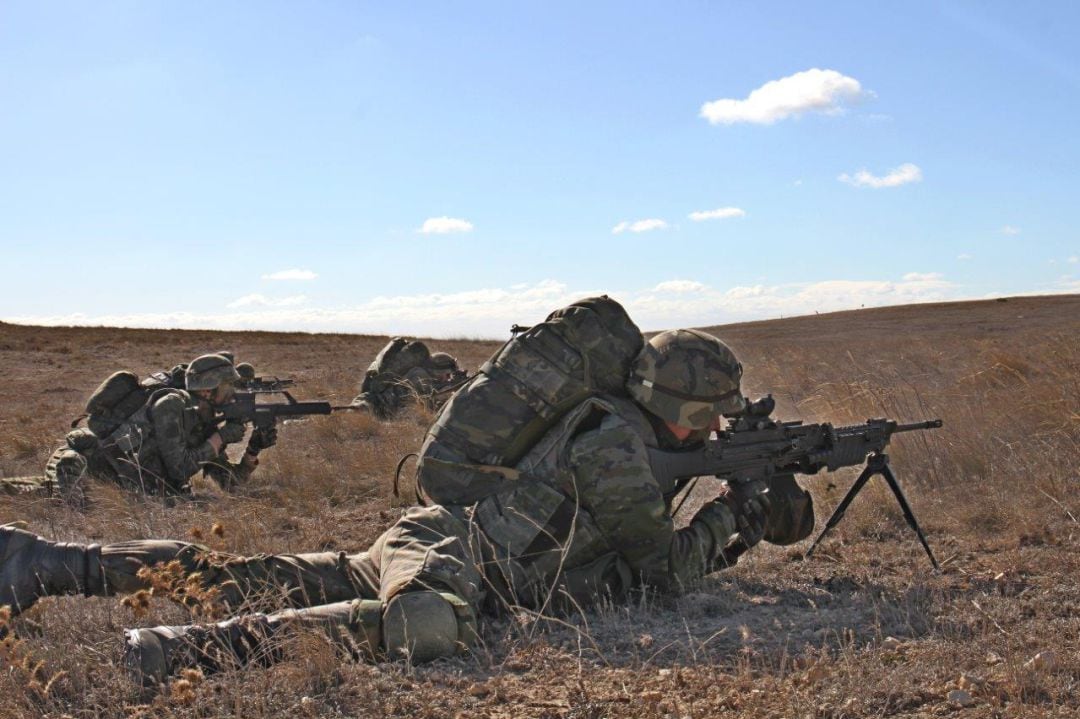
point(257, 300)
point(1073, 260)
point(813, 90)
point(639, 226)
point(489, 312)
point(291, 275)
point(902, 175)
point(720, 213)
point(964, 256)
point(445, 225)
point(679, 286)
point(1009, 230)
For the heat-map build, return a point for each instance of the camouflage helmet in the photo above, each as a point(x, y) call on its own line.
point(209, 371)
point(246, 371)
point(687, 377)
point(227, 354)
point(442, 360)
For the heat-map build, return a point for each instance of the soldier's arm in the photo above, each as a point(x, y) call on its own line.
point(616, 485)
point(180, 461)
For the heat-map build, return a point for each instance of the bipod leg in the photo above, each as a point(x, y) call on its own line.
point(869, 471)
point(909, 515)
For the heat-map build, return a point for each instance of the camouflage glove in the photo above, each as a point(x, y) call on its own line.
point(232, 431)
point(750, 503)
point(262, 438)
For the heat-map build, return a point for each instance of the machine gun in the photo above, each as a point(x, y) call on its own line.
point(756, 447)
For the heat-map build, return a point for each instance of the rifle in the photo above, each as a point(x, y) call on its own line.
point(756, 447)
point(265, 384)
point(245, 407)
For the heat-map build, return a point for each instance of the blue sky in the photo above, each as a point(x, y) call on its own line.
point(161, 163)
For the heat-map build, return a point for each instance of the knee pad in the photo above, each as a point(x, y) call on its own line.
point(427, 625)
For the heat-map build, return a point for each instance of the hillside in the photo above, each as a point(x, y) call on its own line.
point(865, 628)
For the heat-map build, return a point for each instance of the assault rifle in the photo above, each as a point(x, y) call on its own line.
point(756, 447)
point(245, 407)
point(265, 384)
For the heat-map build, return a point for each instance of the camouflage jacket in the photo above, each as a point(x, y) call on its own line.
point(164, 445)
point(587, 502)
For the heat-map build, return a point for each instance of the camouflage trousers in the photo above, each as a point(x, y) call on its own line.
point(65, 475)
point(343, 594)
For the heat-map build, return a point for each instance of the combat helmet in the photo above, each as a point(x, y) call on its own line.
point(209, 371)
point(687, 377)
point(442, 360)
point(246, 371)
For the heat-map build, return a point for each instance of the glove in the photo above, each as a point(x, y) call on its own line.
point(750, 503)
point(262, 438)
point(232, 431)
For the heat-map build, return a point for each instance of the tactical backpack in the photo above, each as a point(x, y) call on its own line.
point(540, 374)
point(122, 394)
point(393, 362)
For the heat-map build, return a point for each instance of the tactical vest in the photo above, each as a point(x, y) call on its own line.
point(578, 352)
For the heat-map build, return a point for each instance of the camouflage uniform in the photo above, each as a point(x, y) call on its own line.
point(158, 450)
point(391, 381)
point(581, 516)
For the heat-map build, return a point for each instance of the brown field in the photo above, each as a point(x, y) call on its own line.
point(864, 629)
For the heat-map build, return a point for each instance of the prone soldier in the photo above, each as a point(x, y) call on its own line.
point(585, 519)
point(157, 436)
point(407, 368)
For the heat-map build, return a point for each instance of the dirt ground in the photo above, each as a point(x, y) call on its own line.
point(863, 629)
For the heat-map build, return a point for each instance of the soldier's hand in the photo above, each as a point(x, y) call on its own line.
point(262, 438)
point(750, 502)
point(232, 431)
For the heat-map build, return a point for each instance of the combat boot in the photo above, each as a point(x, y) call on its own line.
point(33, 567)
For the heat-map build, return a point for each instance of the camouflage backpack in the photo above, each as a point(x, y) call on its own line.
point(540, 374)
point(122, 394)
point(393, 362)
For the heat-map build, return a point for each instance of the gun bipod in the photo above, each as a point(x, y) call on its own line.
point(876, 463)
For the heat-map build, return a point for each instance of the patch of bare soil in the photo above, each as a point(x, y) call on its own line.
point(864, 629)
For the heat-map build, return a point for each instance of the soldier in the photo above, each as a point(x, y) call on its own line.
point(585, 519)
point(406, 368)
point(160, 446)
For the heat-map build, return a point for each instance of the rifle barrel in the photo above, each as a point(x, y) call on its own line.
point(929, 424)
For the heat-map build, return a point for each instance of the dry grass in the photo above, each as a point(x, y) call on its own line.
point(864, 629)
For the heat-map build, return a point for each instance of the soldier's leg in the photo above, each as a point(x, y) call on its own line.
point(419, 591)
point(791, 511)
point(430, 584)
point(64, 476)
point(154, 654)
point(32, 567)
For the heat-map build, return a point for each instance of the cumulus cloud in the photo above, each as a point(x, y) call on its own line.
point(679, 286)
point(720, 213)
point(964, 256)
point(257, 300)
point(639, 226)
point(922, 276)
point(902, 175)
point(445, 225)
point(1010, 230)
point(813, 90)
point(291, 275)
